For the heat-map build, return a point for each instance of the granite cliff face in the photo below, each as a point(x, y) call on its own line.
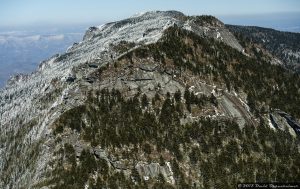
point(87, 113)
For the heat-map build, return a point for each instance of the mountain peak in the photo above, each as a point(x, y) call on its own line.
point(151, 20)
point(63, 82)
point(148, 27)
point(141, 101)
point(171, 13)
point(208, 20)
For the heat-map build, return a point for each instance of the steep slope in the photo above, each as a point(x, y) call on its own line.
point(84, 118)
point(283, 45)
point(39, 99)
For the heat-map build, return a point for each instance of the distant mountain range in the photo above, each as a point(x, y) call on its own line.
point(22, 52)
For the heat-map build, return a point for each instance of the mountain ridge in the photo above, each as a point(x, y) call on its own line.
point(283, 45)
point(121, 66)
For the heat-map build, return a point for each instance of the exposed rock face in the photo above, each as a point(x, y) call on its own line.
point(153, 170)
point(285, 122)
point(30, 105)
point(211, 27)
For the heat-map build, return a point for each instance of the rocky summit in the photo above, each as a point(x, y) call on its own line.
point(158, 100)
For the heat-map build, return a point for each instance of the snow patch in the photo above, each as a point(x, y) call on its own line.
point(100, 27)
point(146, 178)
point(138, 14)
point(271, 125)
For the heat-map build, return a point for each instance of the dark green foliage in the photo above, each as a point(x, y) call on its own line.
point(177, 96)
point(124, 46)
point(88, 161)
point(59, 129)
point(213, 100)
point(70, 154)
point(253, 75)
point(76, 175)
point(222, 152)
point(199, 100)
point(135, 175)
point(161, 161)
point(73, 119)
point(206, 20)
point(162, 185)
point(276, 42)
point(168, 115)
point(187, 97)
point(225, 154)
point(147, 148)
point(142, 52)
point(145, 101)
point(194, 155)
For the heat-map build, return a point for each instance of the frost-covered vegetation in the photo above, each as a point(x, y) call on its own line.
point(174, 105)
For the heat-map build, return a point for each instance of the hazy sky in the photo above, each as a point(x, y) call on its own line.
point(56, 12)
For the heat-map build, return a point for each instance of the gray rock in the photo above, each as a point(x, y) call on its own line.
point(153, 170)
